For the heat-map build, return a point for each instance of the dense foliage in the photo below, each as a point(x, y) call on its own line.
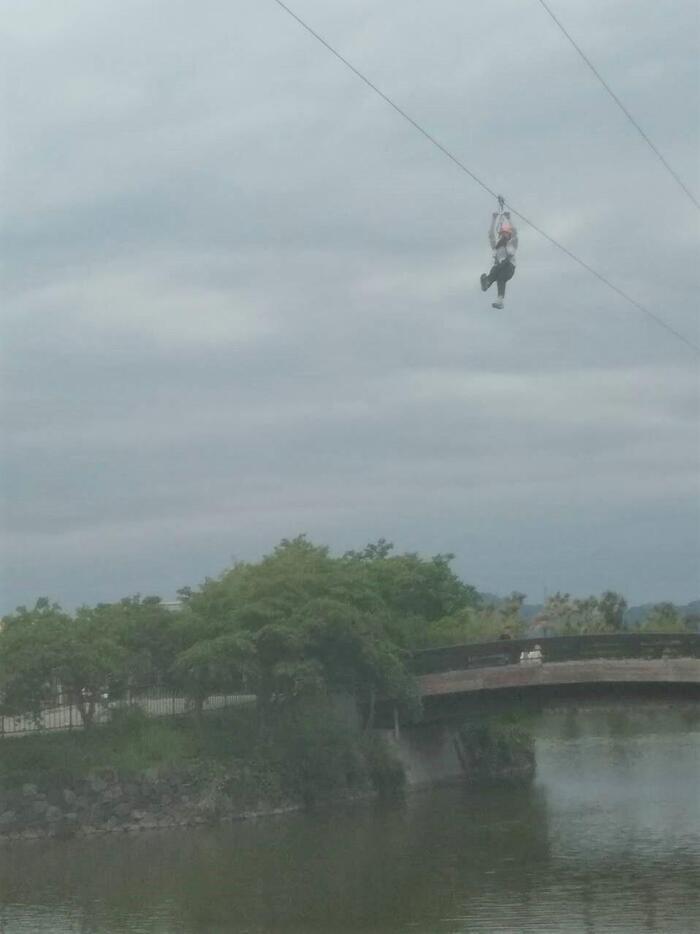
point(501, 748)
point(310, 754)
point(298, 625)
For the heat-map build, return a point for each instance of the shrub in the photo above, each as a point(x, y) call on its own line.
point(500, 749)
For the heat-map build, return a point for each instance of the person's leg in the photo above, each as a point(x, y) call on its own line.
point(506, 271)
point(488, 280)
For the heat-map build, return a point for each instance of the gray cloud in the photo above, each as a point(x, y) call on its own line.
point(241, 296)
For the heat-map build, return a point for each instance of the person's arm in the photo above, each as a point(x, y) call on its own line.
point(492, 231)
point(514, 239)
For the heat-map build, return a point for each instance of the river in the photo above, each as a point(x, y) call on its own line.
point(606, 841)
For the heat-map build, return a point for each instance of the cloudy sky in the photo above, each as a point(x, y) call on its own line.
point(241, 294)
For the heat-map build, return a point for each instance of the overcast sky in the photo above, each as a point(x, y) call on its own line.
point(241, 294)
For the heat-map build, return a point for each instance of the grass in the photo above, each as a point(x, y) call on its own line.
point(130, 744)
point(306, 754)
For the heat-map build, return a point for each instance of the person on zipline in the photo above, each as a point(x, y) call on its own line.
point(504, 242)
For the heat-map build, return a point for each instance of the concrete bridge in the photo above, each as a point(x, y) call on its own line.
point(465, 683)
point(570, 666)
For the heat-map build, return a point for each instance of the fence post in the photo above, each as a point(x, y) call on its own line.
point(70, 714)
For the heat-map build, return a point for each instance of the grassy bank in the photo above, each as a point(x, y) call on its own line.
point(305, 755)
point(137, 773)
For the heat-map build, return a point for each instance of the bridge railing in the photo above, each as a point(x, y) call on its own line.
point(557, 649)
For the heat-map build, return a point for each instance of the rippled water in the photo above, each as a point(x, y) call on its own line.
point(607, 840)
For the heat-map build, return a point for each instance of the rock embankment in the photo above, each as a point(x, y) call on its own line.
point(106, 801)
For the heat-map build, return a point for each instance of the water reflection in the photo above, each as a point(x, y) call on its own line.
point(608, 840)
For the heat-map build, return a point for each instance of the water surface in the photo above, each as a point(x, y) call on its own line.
point(607, 840)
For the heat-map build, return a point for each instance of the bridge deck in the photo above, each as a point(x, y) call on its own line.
point(595, 671)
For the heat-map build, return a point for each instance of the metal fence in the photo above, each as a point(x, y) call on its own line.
point(154, 701)
point(557, 649)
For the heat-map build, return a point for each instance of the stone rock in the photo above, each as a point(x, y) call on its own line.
point(62, 830)
point(112, 793)
point(55, 796)
point(7, 820)
point(53, 813)
point(30, 834)
point(69, 796)
point(29, 790)
point(107, 775)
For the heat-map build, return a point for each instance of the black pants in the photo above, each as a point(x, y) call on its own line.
point(501, 273)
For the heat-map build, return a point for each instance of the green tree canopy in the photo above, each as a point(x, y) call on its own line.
point(298, 622)
point(44, 649)
point(564, 615)
point(150, 634)
point(664, 617)
point(355, 616)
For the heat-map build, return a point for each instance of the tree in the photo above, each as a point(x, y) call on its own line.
point(357, 656)
point(612, 607)
point(566, 616)
point(478, 624)
point(406, 591)
point(415, 588)
point(664, 617)
point(321, 623)
point(213, 666)
point(28, 658)
point(274, 589)
point(150, 634)
point(44, 648)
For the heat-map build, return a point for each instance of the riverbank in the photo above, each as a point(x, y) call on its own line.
point(138, 774)
point(584, 846)
point(108, 801)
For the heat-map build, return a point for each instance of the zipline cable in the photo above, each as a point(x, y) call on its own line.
point(606, 281)
point(486, 188)
point(388, 100)
point(622, 107)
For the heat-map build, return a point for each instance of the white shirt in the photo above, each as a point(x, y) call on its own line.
point(506, 251)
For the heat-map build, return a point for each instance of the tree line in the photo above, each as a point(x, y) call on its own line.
point(297, 624)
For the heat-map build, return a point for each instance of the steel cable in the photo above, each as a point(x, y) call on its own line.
point(475, 178)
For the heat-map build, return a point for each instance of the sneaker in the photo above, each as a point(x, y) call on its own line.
point(497, 304)
point(484, 282)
